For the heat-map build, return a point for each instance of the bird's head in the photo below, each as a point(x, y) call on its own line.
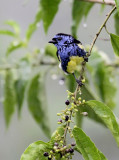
point(61, 39)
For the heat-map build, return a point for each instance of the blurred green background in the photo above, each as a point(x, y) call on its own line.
point(24, 131)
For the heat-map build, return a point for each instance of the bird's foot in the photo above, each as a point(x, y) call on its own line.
point(79, 82)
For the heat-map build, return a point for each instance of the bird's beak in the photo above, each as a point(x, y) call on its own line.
point(53, 41)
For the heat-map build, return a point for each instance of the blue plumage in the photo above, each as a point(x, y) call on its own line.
point(70, 50)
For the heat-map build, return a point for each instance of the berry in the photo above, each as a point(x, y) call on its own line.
point(66, 118)
point(56, 144)
point(71, 150)
point(73, 144)
point(46, 154)
point(67, 150)
point(49, 158)
point(67, 102)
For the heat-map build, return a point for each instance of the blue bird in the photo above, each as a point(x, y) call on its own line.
point(70, 53)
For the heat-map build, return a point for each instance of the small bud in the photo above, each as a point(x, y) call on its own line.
point(75, 126)
point(46, 154)
point(83, 80)
point(66, 118)
point(59, 121)
point(73, 144)
point(84, 113)
point(71, 136)
point(67, 102)
point(83, 101)
point(79, 98)
point(58, 114)
point(51, 152)
point(71, 150)
point(61, 142)
point(76, 110)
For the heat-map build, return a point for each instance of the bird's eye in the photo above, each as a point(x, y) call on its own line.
point(59, 38)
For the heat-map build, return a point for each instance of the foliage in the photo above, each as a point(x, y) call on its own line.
point(25, 81)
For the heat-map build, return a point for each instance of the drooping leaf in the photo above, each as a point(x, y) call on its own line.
point(49, 10)
point(86, 146)
point(9, 96)
point(115, 43)
point(79, 10)
point(14, 46)
point(102, 77)
point(7, 32)
point(32, 27)
point(14, 25)
point(117, 5)
point(106, 85)
point(116, 19)
point(36, 99)
point(106, 115)
point(36, 150)
point(20, 86)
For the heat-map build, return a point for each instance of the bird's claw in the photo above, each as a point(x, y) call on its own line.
point(79, 83)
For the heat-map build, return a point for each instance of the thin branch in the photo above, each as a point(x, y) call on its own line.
point(100, 29)
point(92, 45)
point(106, 2)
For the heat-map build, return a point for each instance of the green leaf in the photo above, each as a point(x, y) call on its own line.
point(106, 115)
point(36, 150)
point(9, 96)
point(115, 43)
point(79, 10)
point(49, 10)
point(116, 19)
point(32, 27)
point(50, 50)
point(86, 146)
point(7, 32)
point(36, 99)
point(102, 77)
point(20, 86)
point(15, 26)
point(14, 46)
point(117, 5)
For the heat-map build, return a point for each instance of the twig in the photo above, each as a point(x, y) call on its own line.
point(92, 45)
point(107, 2)
point(100, 29)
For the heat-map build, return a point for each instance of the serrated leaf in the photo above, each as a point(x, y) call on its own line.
point(36, 99)
point(106, 115)
point(50, 50)
point(32, 27)
point(86, 146)
point(117, 5)
point(14, 46)
point(20, 86)
point(49, 10)
point(9, 96)
point(79, 10)
point(14, 25)
point(115, 43)
point(7, 32)
point(116, 20)
point(36, 150)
